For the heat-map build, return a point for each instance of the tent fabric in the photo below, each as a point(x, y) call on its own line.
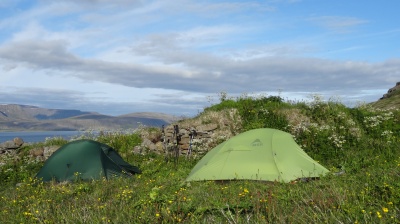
point(259, 154)
point(86, 160)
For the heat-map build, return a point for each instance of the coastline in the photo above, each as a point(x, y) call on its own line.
point(37, 136)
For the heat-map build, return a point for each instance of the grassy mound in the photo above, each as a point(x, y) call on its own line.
point(391, 101)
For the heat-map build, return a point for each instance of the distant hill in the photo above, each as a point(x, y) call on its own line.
point(166, 117)
point(389, 100)
point(14, 117)
point(26, 112)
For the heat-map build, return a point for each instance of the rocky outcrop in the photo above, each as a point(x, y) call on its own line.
point(391, 90)
point(199, 135)
point(11, 146)
point(43, 153)
point(183, 137)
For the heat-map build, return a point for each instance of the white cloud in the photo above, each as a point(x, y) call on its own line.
point(179, 52)
point(338, 24)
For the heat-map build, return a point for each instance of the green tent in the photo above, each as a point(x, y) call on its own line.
point(85, 160)
point(260, 154)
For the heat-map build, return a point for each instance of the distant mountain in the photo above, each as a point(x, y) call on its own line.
point(26, 112)
point(14, 117)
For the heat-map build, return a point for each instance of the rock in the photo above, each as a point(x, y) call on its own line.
point(184, 140)
point(208, 135)
point(159, 147)
point(9, 145)
point(201, 134)
point(37, 152)
point(137, 150)
point(18, 141)
point(207, 127)
point(49, 150)
point(40, 159)
point(395, 88)
point(185, 146)
point(149, 145)
point(202, 137)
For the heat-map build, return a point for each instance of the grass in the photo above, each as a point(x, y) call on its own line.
point(392, 101)
point(362, 141)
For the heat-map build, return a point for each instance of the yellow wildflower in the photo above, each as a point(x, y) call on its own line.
point(385, 210)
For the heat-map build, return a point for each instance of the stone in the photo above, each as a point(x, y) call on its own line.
point(184, 140)
point(149, 145)
point(159, 147)
point(395, 88)
point(40, 159)
point(137, 150)
point(207, 127)
point(49, 150)
point(18, 141)
point(37, 152)
point(9, 145)
point(201, 134)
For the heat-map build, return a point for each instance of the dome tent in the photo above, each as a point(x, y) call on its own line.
point(259, 154)
point(86, 160)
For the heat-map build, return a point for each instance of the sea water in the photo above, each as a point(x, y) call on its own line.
point(38, 136)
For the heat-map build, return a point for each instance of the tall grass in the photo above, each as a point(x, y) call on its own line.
point(362, 142)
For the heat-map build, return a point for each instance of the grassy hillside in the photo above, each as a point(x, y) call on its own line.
point(361, 143)
point(391, 101)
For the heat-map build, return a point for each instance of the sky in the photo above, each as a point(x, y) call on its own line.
point(177, 56)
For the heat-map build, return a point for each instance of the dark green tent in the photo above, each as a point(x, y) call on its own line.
point(85, 160)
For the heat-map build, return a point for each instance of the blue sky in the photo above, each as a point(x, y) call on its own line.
point(175, 56)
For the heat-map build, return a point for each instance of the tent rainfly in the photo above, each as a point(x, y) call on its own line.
point(260, 154)
point(86, 160)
